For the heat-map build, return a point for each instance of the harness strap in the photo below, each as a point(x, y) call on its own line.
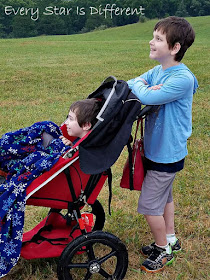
point(91, 184)
point(68, 177)
point(71, 205)
point(93, 181)
point(110, 188)
point(38, 238)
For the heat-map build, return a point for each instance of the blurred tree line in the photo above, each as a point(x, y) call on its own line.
point(27, 18)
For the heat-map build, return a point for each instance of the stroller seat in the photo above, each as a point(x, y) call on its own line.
point(52, 189)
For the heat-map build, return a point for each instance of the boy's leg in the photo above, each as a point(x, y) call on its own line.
point(156, 203)
point(170, 231)
point(169, 217)
point(158, 229)
point(162, 229)
point(156, 189)
point(161, 253)
point(162, 225)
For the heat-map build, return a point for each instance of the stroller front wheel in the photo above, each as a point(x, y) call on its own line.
point(96, 254)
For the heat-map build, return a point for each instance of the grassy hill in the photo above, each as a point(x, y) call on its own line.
point(63, 68)
point(40, 77)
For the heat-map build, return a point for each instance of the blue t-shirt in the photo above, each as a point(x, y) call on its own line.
point(167, 130)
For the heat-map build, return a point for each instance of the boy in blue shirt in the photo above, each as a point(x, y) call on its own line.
point(170, 85)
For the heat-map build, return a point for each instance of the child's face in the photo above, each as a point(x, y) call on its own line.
point(159, 49)
point(73, 127)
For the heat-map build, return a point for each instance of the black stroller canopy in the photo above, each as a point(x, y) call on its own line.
point(99, 151)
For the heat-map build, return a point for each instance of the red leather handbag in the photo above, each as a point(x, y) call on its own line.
point(133, 172)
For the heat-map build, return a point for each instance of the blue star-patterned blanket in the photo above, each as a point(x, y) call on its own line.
point(24, 158)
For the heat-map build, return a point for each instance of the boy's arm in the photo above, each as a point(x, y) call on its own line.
point(132, 82)
point(144, 79)
point(174, 88)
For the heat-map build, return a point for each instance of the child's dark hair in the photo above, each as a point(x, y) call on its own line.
point(177, 30)
point(86, 110)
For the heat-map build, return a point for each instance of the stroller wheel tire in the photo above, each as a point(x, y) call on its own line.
point(98, 212)
point(95, 255)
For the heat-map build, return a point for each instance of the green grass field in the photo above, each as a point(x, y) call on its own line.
point(40, 77)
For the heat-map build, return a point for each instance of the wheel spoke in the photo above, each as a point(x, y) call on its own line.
point(108, 256)
point(105, 274)
point(77, 265)
point(90, 252)
point(88, 275)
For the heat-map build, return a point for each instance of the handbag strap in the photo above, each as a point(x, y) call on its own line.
point(137, 128)
point(142, 129)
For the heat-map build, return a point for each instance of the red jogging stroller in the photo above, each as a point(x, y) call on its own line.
point(84, 250)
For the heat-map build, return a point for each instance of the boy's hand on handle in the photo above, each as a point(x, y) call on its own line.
point(66, 141)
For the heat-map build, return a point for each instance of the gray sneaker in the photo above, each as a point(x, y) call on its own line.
point(157, 260)
point(147, 250)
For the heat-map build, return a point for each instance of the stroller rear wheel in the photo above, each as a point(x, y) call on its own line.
point(95, 255)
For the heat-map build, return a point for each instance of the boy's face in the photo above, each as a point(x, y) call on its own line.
point(73, 127)
point(159, 49)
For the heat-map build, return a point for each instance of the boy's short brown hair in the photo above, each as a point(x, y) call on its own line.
point(86, 110)
point(177, 30)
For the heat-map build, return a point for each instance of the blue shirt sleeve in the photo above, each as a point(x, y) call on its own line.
point(144, 77)
point(174, 88)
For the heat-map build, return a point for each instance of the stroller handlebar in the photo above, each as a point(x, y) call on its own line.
point(147, 110)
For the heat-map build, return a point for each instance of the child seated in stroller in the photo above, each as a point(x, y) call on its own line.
point(24, 155)
point(81, 118)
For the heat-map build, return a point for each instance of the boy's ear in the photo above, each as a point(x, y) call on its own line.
point(86, 126)
point(176, 48)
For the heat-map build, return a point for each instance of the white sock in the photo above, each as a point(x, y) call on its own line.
point(171, 238)
point(166, 247)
